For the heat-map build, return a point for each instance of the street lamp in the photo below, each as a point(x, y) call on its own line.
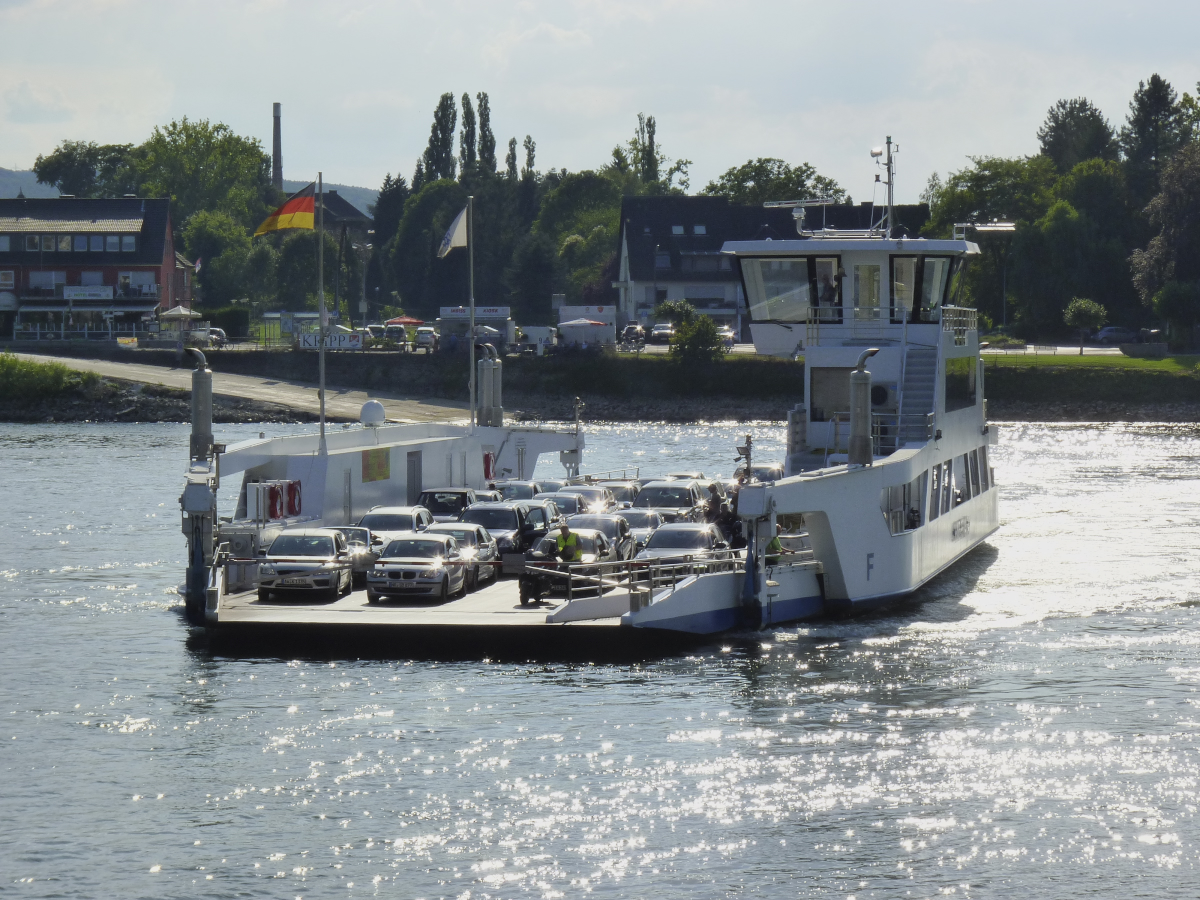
point(364, 252)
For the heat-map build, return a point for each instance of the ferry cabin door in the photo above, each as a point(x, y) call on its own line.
point(867, 295)
point(414, 477)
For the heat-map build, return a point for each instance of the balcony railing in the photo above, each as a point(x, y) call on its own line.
point(119, 292)
point(959, 320)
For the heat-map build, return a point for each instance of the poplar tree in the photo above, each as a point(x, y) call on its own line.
point(439, 155)
point(466, 143)
point(530, 150)
point(510, 161)
point(487, 140)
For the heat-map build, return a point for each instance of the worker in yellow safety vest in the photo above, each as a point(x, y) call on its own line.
point(567, 545)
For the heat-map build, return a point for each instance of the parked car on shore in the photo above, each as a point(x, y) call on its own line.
point(418, 565)
point(428, 338)
point(306, 561)
point(662, 333)
point(633, 334)
point(725, 333)
point(1115, 334)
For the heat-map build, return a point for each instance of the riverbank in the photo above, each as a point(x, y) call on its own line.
point(613, 389)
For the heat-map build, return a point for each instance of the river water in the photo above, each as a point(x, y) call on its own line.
point(1027, 724)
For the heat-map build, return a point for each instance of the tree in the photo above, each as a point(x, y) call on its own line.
point(487, 140)
point(467, 158)
point(678, 312)
point(531, 278)
point(530, 149)
point(759, 180)
point(297, 270)
point(1173, 253)
point(1075, 131)
point(1085, 315)
point(222, 244)
point(419, 180)
point(439, 155)
point(1153, 131)
point(85, 169)
point(698, 342)
point(426, 282)
point(1178, 302)
point(202, 166)
point(640, 166)
point(510, 161)
point(389, 207)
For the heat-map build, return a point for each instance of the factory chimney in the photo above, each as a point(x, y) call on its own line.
point(277, 153)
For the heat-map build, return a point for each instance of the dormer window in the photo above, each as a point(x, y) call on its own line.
point(676, 229)
point(699, 229)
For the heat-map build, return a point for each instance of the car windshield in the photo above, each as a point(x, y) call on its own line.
point(356, 535)
point(301, 545)
point(669, 539)
point(568, 503)
point(387, 522)
point(600, 523)
point(664, 496)
point(641, 519)
point(415, 548)
point(515, 491)
point(590, 495)
point(465, 536)
point(552, 487)
point(622, 492)
point(492, 519)
point(444, 503)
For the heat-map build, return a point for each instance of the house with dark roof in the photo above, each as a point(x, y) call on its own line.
point(670, 249)
point(83, 267)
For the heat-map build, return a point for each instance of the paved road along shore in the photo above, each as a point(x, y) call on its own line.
point(341, 403)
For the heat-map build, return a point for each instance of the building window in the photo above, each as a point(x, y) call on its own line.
point(662, 260)
point(64, 243)
point(81, 243)
point(112, 243)
point(4, 243)
point(699, 229)
point(676, 229)
point(128, 243)
point(32, 243)
point(96, 243)
point(7, 281)
point(48, 243)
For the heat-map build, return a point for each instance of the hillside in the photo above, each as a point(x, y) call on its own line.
point(363, 198)
point(24, 181)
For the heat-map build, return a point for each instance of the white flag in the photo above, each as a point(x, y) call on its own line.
point(456, 234)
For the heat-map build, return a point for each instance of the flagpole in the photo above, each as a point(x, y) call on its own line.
point(321, 447)
point(471, 283)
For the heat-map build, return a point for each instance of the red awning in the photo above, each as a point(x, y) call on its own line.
point(405, 320)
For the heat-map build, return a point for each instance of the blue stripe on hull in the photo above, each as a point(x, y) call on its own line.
point(708, 622)
point(791, 610)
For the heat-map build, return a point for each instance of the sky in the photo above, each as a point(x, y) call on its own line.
point(821, 83)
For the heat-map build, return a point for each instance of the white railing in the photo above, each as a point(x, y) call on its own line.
point(889, 432)
point(959, 320)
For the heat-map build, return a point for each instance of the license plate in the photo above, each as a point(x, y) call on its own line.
point(295, 581)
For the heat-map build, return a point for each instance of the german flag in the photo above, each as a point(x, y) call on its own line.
point(297, 212)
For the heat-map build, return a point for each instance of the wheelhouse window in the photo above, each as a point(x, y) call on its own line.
point(935, 273)
point(904, 286)
point(777, 290)
point(960, 382)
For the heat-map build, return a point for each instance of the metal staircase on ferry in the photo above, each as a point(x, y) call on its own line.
point(920, 378)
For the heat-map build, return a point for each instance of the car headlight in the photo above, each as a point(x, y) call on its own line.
point(266, 570)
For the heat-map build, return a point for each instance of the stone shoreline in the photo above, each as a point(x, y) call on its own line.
point(113, 400)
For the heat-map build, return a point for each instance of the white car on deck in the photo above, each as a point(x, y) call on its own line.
point(315, 561)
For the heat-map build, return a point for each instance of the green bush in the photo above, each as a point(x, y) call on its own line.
point(33, 381)
point(698, 342)
point(235, 320)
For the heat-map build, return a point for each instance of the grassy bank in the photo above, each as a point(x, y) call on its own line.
point(1093, 380)
point(34, 382)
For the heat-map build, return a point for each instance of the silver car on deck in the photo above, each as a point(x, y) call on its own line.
point(419, 565)
point(313, 561)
